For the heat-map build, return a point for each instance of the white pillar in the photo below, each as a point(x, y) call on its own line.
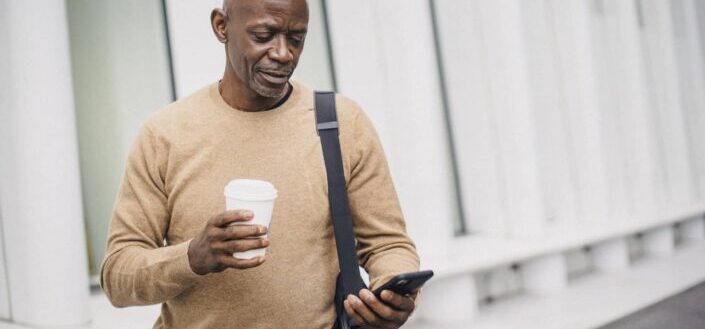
point(691, 65)
point(547, 91)
point(575, 61)
point(545, 275)
point(39, 175)
point(611, 255)
point(666, 105)
point(449, 301)
point(5, 313)
point(388, 67)
point(493, 115)
point(474, 120)
point(659, 241)
point(693, 229)
point(629, 143)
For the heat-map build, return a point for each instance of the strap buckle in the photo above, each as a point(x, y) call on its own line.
point(327, 125)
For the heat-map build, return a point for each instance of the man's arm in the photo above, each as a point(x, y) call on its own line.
point(384, 248)
point(138, 268)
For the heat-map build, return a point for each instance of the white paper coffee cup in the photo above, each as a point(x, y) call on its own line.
point(257, 196)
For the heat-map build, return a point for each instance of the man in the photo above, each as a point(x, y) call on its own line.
point(170, 241)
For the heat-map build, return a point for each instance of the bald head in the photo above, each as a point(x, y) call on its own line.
point(229, 5)
point(263, 41)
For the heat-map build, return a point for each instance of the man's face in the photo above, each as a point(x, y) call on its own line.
point(265, 40)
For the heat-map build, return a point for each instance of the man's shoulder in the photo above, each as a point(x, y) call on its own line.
point(180, 112)
point(347, 109)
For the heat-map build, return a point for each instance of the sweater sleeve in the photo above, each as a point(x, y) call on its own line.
point(139, 268)
point(383, 246)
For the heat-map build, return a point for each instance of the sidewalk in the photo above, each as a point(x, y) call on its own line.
point(683, 311)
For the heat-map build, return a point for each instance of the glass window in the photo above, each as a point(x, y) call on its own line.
point(121, 75)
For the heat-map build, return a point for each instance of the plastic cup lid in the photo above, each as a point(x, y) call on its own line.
point(250, 190)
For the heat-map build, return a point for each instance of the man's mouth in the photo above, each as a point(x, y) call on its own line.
point(274, 77)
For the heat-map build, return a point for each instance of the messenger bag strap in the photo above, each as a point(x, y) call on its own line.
point(327, 127)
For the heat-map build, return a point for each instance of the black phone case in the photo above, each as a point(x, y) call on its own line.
point(405, 283)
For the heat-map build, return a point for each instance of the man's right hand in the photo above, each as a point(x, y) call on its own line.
point(212, 250)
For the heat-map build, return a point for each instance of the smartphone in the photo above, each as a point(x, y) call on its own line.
point(405, 283)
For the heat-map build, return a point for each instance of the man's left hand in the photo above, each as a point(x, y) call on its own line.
point(391, 312)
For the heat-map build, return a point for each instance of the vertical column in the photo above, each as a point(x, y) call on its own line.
point(493, 115)
point(665, 104)
point(611, 255)
point(440, 307)
point(5, 313)
point(545, 275)
point(577, 73)
point(691, 68)
point(699, 7)
point(629, 142)
point(386, 65)
point(472, 109)
point(40, 190)
point(516, 127)
point(548, 104)
point(5, 310)
point(659, 241)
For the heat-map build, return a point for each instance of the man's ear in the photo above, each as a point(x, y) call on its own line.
point(218, 23)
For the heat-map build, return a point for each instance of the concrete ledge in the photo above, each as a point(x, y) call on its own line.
point(482, 252)
point(596, 299)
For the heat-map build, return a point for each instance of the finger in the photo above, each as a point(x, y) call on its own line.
point(231, 216)
point(381, 309)
point(231, 262)
point(399, 302)
point(232, 246)
point(366, 313)
point(243, 231)
point(356, 318)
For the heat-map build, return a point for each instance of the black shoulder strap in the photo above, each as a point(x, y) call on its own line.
point(327, 127)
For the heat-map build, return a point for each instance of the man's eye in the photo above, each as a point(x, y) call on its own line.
point(296, 39)
point(262, 36)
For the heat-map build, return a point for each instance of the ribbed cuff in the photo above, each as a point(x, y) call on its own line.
point(180, 270)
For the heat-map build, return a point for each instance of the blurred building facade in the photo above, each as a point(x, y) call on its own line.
point(549, 154)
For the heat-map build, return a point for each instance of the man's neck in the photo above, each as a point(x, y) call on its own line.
point(249, 101)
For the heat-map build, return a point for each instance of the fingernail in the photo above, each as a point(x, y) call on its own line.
point(262, 230)
point(366, 294)
point(249, 213)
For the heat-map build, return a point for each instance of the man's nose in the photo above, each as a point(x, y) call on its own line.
point(280, 51)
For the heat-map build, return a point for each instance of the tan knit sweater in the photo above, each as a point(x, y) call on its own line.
point(174, 178)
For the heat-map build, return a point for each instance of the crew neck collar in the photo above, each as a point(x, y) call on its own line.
point(285, 104)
